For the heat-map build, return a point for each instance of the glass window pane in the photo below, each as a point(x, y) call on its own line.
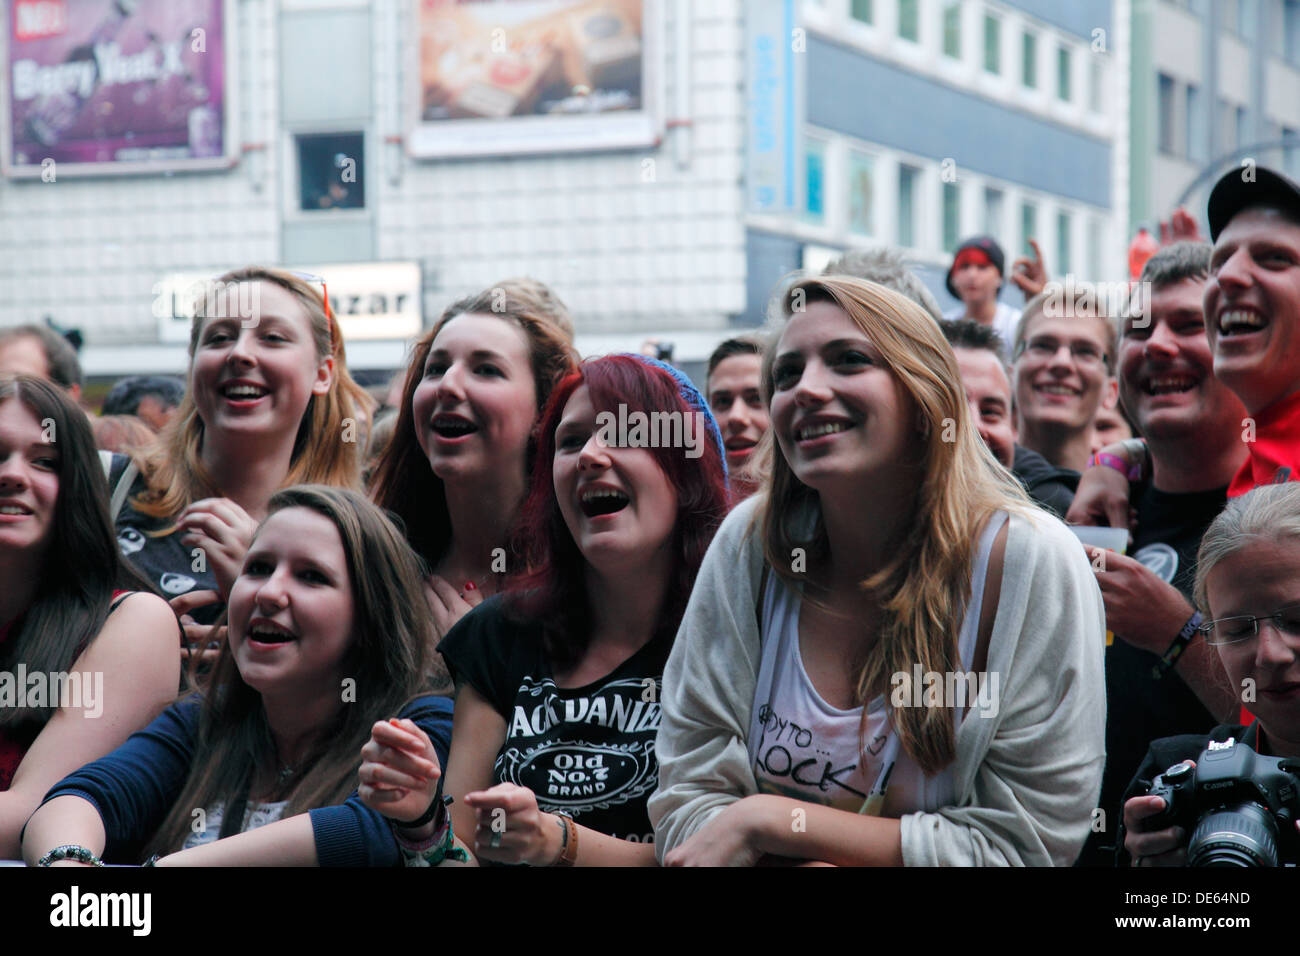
point(814, 180)
point(330, 171)
point(1028, 227)
point(861, 10)
point(1063, 243)
point(1196, 129)
point(1165, 107)
point(1095, 81)
point(992, 44)
point(1063, 74)
point(1291, 152)
point(1094, 248)
point(1227, 131)
point(862, 210)
point(951, 216)
point(907, 177)
point(952, 30)
point(1029, 61)
point(993, 212)
point(909, 19)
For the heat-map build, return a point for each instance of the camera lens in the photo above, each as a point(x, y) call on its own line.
point(1245, 835)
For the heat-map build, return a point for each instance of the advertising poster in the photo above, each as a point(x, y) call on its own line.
point(96, 87)
point(510, 76)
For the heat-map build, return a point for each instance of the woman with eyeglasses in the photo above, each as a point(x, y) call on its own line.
point(269, 403)
point(455, 470)
point(890, 657)
point(1062, 370)
point(1248, 590)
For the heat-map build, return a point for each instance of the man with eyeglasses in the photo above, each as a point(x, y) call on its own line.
point(1159, 682)
point(1063, 362)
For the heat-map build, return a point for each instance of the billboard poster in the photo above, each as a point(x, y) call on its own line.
point(512, 76)
point(96, 87)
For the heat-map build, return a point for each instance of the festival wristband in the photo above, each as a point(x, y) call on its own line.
point(431, 852)
point(1136, 450)
point(1177, 647)
point(1131, 472)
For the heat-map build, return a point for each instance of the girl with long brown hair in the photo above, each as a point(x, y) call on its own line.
point(890, 657)
point(324, 642)
point(455, 471)
point(72, 614)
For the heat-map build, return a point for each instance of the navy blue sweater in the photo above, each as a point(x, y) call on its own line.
point(136, 785)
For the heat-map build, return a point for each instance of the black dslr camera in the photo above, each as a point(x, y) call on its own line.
point(1239, 807)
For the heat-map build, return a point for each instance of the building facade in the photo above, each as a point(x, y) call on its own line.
point(928, 121)
point(1215, 83)
point(639, 241)
point(780, 132)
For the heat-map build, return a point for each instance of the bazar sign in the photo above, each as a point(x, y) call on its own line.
point(371, 300)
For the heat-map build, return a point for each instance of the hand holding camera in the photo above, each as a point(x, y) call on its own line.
point(1240, 808)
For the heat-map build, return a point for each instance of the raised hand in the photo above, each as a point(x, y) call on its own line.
point(1030, 275)
point(399, 771)
point(224, 531)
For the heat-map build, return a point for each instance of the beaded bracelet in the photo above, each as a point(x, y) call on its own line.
point(70, 851)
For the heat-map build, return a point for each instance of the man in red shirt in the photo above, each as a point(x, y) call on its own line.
point(1252, 313)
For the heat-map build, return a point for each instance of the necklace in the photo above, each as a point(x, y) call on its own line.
point(285, 774)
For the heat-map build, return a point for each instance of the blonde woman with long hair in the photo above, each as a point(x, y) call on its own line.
point(890, 656)
point(269, 403)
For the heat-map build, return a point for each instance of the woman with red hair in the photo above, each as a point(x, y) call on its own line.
point(558, 679)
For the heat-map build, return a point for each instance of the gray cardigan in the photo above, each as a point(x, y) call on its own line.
point(1026, 780)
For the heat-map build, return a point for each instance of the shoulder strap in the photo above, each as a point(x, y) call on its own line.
point(758, 605)
point(122, 489)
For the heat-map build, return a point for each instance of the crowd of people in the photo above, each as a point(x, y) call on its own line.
point(527, 609)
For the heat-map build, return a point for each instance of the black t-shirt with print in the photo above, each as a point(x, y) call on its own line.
point(586, 751)
point(169, 566)
point(1141, 708)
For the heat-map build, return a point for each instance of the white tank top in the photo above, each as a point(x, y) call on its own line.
point(802, 747)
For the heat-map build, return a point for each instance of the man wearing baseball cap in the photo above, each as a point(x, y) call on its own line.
point(1252, 322)
point(1252, 316)
point(976, 277)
